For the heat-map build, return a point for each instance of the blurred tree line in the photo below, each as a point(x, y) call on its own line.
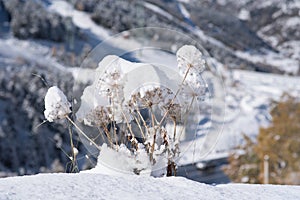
point(280, 142)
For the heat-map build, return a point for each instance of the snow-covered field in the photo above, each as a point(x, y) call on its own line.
point(98, 186)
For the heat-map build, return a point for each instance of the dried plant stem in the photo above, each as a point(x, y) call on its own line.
point(82, 133)
point(174, 123)
point(126, 120)
point(152, 117)
point(171, 164)
point(100, 133)
point(141, 117)
point(177, 92)
point(73, 160)
point(139, 125)
point(130, 130)
point(187, 112)
point(153, 145)
point(171, 168)
point(113, 125)
point(154, 136)
point(128, 124)
point(107, 133)
point(115, 132)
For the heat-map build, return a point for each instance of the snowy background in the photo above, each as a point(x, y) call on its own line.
point(254, 46)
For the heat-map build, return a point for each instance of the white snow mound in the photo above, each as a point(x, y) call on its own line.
point(99, 186)
point(56, 104)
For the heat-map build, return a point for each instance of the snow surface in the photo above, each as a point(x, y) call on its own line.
point(288, 65)
point(184, 11)
point(13, 48)
point(83, 20)
point(244, 14)
point(80, 19)
point(158, 10)
point(121, 162)
point(99, 186)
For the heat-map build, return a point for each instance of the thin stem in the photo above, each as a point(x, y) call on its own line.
point(107, 133)
point(127, 123)
point(100, 133)
point(153, 145)
point(130, 129)
point(139, 125)
point(73, 160)
point(113, 125)
point(152, 117)
point(174, 122)
point(115, 132)
point(147, 131)
point(141, 117)
point(166, 113)
point(82, 133)
point(187, 112)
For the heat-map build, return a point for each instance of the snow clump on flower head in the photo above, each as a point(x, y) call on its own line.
point(191, 64)
point(189, 56)
point(56, 104)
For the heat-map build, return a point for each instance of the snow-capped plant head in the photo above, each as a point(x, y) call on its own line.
point(190, 58)
point(102, 102)
point(191, 64)
point(152, 97)
point(99, 116)
point(56, 104)
point(110, 82)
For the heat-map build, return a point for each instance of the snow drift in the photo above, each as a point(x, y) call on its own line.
point(98, 186)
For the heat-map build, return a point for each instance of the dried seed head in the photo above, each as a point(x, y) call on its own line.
point(56, 104)
point(99, 116)
point(189, 56)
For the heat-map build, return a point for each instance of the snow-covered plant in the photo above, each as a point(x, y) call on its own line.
point(56, 104)
point(142, 123)
point(191, 64)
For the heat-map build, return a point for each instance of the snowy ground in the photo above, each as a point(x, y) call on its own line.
point(98, 186)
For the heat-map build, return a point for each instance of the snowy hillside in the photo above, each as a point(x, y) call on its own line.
point(248, 101)
point(267, 47)
point(97, 186)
